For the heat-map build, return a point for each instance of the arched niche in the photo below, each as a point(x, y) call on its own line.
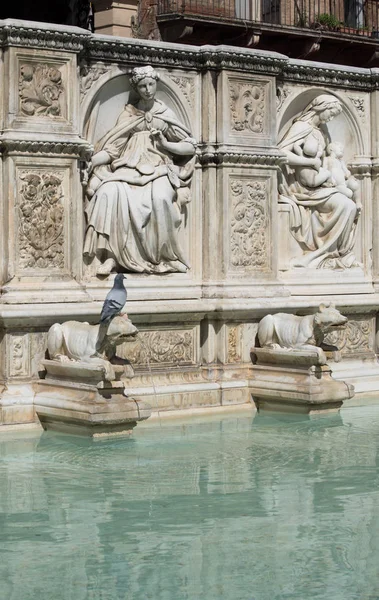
point(112, 91)
point(343, 128)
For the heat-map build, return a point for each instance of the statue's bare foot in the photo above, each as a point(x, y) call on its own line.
point(107, 267)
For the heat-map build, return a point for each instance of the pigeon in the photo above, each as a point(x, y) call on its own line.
point(115, 300)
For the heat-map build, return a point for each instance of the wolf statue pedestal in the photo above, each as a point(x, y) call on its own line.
point(290, 371)
point(83, 392)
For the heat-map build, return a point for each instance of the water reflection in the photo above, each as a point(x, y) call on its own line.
point(237, 508)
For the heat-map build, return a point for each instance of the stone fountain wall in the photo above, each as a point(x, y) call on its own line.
point(61, 90)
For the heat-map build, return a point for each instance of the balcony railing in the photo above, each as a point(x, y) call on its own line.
point(351, 17)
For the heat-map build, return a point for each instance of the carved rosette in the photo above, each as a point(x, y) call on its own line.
point(41, 90)
point(249, 226)
point(356, 338)
point(161, 348)
point(41, 220)
point(247, 104)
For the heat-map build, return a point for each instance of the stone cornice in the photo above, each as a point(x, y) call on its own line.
point(194, 57)
point(78, 148)
point(215, 156)
point(42, 35)
point(328, 75)
point(130, 52)
point(361, 167)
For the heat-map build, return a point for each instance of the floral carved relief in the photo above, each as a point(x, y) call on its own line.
point(187, 87)
point(41, 220)
point(40, 90)
point(249, 225)
point(161, 348)
point(247, 104)
point(356, 338)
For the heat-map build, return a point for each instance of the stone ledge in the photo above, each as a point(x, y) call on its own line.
point(42, 314)
point(14, 32)
point(72, 148)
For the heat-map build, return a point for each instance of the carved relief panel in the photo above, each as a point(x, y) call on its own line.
point(249, 224)
point(357, 338)
point(18, 355)
point(40, 219)
point(41, 90)
point(41, 97)
point(234, 343)
point(248, 111)
point(163, 348)
point(316, 186)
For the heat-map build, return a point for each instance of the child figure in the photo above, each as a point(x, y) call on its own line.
point(316, 175)
point(344, 181)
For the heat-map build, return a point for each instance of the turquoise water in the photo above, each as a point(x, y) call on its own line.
point(236, 508)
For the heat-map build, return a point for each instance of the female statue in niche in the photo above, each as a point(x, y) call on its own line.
point(322, 195)
point(140, 177)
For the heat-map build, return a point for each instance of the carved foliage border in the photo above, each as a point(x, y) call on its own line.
point(249, 224)
point(161, 348)
point(357, 338)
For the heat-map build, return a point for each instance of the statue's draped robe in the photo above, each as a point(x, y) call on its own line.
point(135, 213)
point(322, 219)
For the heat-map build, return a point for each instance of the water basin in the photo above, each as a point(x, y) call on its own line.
point(235, 507)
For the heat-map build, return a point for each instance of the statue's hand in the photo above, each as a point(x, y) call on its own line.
point(316, 163)
point(158, 136)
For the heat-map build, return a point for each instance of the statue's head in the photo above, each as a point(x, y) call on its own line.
point(144, 81)
point(121, 330)
point(324, 106)
point(336, 149)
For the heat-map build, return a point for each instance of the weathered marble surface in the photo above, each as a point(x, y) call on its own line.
point(77, 399)
point(76, 342)
point(290, 372)
point(63, 90)
point(301, 333)
point(296, 382)
point(83, 391)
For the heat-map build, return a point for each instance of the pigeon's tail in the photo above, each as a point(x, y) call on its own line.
point(101, 335)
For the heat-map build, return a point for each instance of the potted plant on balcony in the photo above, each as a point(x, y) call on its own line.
point(327, 22)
